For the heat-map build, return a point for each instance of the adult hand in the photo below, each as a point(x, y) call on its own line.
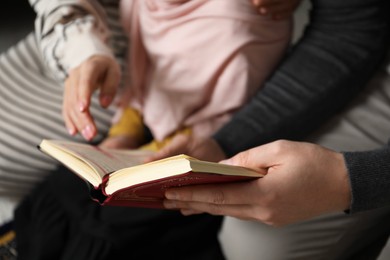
point(97, 73)
point(277, 9)
point(302, 181)
point(200, 148)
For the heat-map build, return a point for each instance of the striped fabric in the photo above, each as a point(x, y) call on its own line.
point(30, 110)
point(70, 31)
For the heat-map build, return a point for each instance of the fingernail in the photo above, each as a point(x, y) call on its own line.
point(187, 212)
point(85, 134)
point(72, 131)
point(88, 132)
point(171, 195)
point(169, 204)
point(82, 106)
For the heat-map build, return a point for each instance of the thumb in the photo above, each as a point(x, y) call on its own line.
point(258, 158)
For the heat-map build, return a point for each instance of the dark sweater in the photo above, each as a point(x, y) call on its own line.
point(341, 48)
point(369, 174)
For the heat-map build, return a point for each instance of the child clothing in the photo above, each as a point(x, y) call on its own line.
point(193, 63)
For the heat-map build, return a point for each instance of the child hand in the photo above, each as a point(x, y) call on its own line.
point(119, 142)
point(277, 9)
point(97, 73)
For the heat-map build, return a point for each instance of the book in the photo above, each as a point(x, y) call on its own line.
point(121, 178)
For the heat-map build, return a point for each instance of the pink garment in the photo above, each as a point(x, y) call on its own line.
point(193, 63)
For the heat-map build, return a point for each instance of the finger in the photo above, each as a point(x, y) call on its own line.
point(188, 212)
point(277, 10)
point(178, 145)
point(189, 208)
point(258, 3)
point(263, 10)
point(70, 127)
point(90, 72)
point(222, 194)
point(84, 123)
point(274, 7)
point(110, 85)
point(78, 122)
point(68, 103)
point(261, 157)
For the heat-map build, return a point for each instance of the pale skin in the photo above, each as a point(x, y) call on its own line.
point(201, 148)
point(102, 73)
point(302, 181)
point(98, 73)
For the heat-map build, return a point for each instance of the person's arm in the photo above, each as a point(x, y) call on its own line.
point(78, 47)
point(369, 174)
point(302, 181)
point(340, 50)
point(69, 32)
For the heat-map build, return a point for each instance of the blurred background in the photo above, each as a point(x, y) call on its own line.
point(16, 21)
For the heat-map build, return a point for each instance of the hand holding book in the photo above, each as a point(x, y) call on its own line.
point(122, 179)
point(302, 181)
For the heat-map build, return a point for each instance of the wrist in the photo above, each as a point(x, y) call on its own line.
point(344, 184)
point(82, 47)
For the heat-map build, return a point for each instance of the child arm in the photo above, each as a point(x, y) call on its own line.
point(73, 37)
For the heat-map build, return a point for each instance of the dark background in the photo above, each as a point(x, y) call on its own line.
point(16, 21)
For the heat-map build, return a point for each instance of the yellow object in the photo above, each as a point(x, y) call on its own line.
point(157, 145)
point(7, 237)
point(131, 124)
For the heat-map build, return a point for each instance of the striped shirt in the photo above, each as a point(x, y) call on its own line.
point(31, 85)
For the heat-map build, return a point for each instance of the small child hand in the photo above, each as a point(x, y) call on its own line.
point(96, 73)
point(277, 9)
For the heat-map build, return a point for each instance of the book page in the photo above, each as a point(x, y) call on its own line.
point(105, 161)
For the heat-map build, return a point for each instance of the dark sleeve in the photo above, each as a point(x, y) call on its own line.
point(369, 173)
point(340, 50)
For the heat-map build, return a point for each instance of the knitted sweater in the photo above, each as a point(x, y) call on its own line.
point(369, 173)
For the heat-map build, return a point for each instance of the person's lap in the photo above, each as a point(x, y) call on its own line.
point(58, 220)
point(334, 236)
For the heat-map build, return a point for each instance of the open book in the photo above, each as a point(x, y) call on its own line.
point(121, 178)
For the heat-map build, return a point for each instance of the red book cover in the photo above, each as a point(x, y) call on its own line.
point(151, 194)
